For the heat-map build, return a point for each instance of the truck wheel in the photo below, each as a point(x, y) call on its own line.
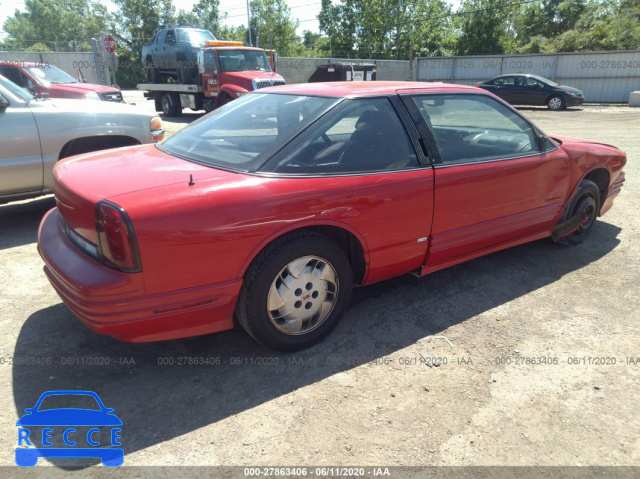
point(185, 76)
point(224, 99)
point(152, 73)
point(169, 107)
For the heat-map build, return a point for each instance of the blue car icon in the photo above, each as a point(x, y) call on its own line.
point(71, 418)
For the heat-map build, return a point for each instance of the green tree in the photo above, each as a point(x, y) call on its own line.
point(387, 28)
point(484, 27)
point(64, 24)
point(236, 34)
point(602, 26)
point(273, 25)
point(137, 21)
point(208, 14)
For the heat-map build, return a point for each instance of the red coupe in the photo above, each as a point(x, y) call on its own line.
point(275, 206)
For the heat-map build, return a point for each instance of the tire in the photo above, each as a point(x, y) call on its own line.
point(224, 99)
point(316, 299)
point(555, 103)
point(152, 73)
point(587, 199)
point(185, 76)
point(168, 107)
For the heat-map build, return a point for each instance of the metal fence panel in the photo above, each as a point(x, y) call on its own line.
point(602, 76)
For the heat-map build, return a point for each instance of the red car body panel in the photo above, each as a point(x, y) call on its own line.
point(198, 228)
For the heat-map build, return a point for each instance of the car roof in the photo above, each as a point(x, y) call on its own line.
point(362, 88)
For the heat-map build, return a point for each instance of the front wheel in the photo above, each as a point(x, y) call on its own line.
point(295, 292)
point(556, 102)
point(585, 202)
point(152, 72)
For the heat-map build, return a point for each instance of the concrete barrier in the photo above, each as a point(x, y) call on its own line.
point(634, 98)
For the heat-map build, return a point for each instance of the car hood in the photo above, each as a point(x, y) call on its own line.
point(81, 181)
point(577, 142)
point(78, 106)
point(82, 87)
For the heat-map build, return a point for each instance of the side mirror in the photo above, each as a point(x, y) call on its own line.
point(4, 103)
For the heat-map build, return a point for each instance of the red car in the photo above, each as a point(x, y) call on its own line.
point(47, 81)
point(275, 206)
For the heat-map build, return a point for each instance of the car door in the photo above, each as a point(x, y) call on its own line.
point(159, 49)
point(497, 178)
point(533, 92)
point(21, 168)
point(169, 50)
point(210, 80)
point(363, 169)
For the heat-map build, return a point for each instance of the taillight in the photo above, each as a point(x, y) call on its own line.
point(117, 245)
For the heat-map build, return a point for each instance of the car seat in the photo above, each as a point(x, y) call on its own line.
point(371, 145)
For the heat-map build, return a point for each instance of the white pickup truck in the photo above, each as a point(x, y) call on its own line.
point(38, 133)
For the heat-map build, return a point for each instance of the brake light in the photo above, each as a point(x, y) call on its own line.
point(117, 245)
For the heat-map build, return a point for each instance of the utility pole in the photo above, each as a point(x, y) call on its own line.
point(249, 23)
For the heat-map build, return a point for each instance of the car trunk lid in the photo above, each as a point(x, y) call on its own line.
point(84, 180)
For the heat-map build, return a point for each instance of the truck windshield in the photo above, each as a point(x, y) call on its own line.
point(51, 74)
point(244, 134)
point(243, 60)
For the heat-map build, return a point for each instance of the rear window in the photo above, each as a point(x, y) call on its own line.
point(242, 135)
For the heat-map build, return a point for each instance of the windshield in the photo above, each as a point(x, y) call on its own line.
point(245, 133)
point(50, 74)
point(16, 90)
point(196, 37)
point(243, 60)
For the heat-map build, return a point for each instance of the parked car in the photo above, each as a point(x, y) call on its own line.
point(273, 207)
point(521, 89)
point(38, 133)
point(47, 81)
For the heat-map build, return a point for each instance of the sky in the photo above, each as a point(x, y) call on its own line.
point(306, 11)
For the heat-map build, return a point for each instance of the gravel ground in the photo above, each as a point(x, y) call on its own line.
point(539, 352)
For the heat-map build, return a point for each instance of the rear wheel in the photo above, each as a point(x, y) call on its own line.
point(556, 102)
point(295, 292)
point(169, 106)
point(585, 201)
point(185, 76)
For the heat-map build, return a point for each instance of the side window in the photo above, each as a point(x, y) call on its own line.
point(471, 128)
point(358, 136)
point(504, 81)
point(171, 37)
point(161, 36)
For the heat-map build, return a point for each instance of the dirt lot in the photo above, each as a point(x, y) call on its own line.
point(364, 396)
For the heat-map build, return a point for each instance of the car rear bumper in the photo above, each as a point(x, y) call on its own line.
point(114, 303)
